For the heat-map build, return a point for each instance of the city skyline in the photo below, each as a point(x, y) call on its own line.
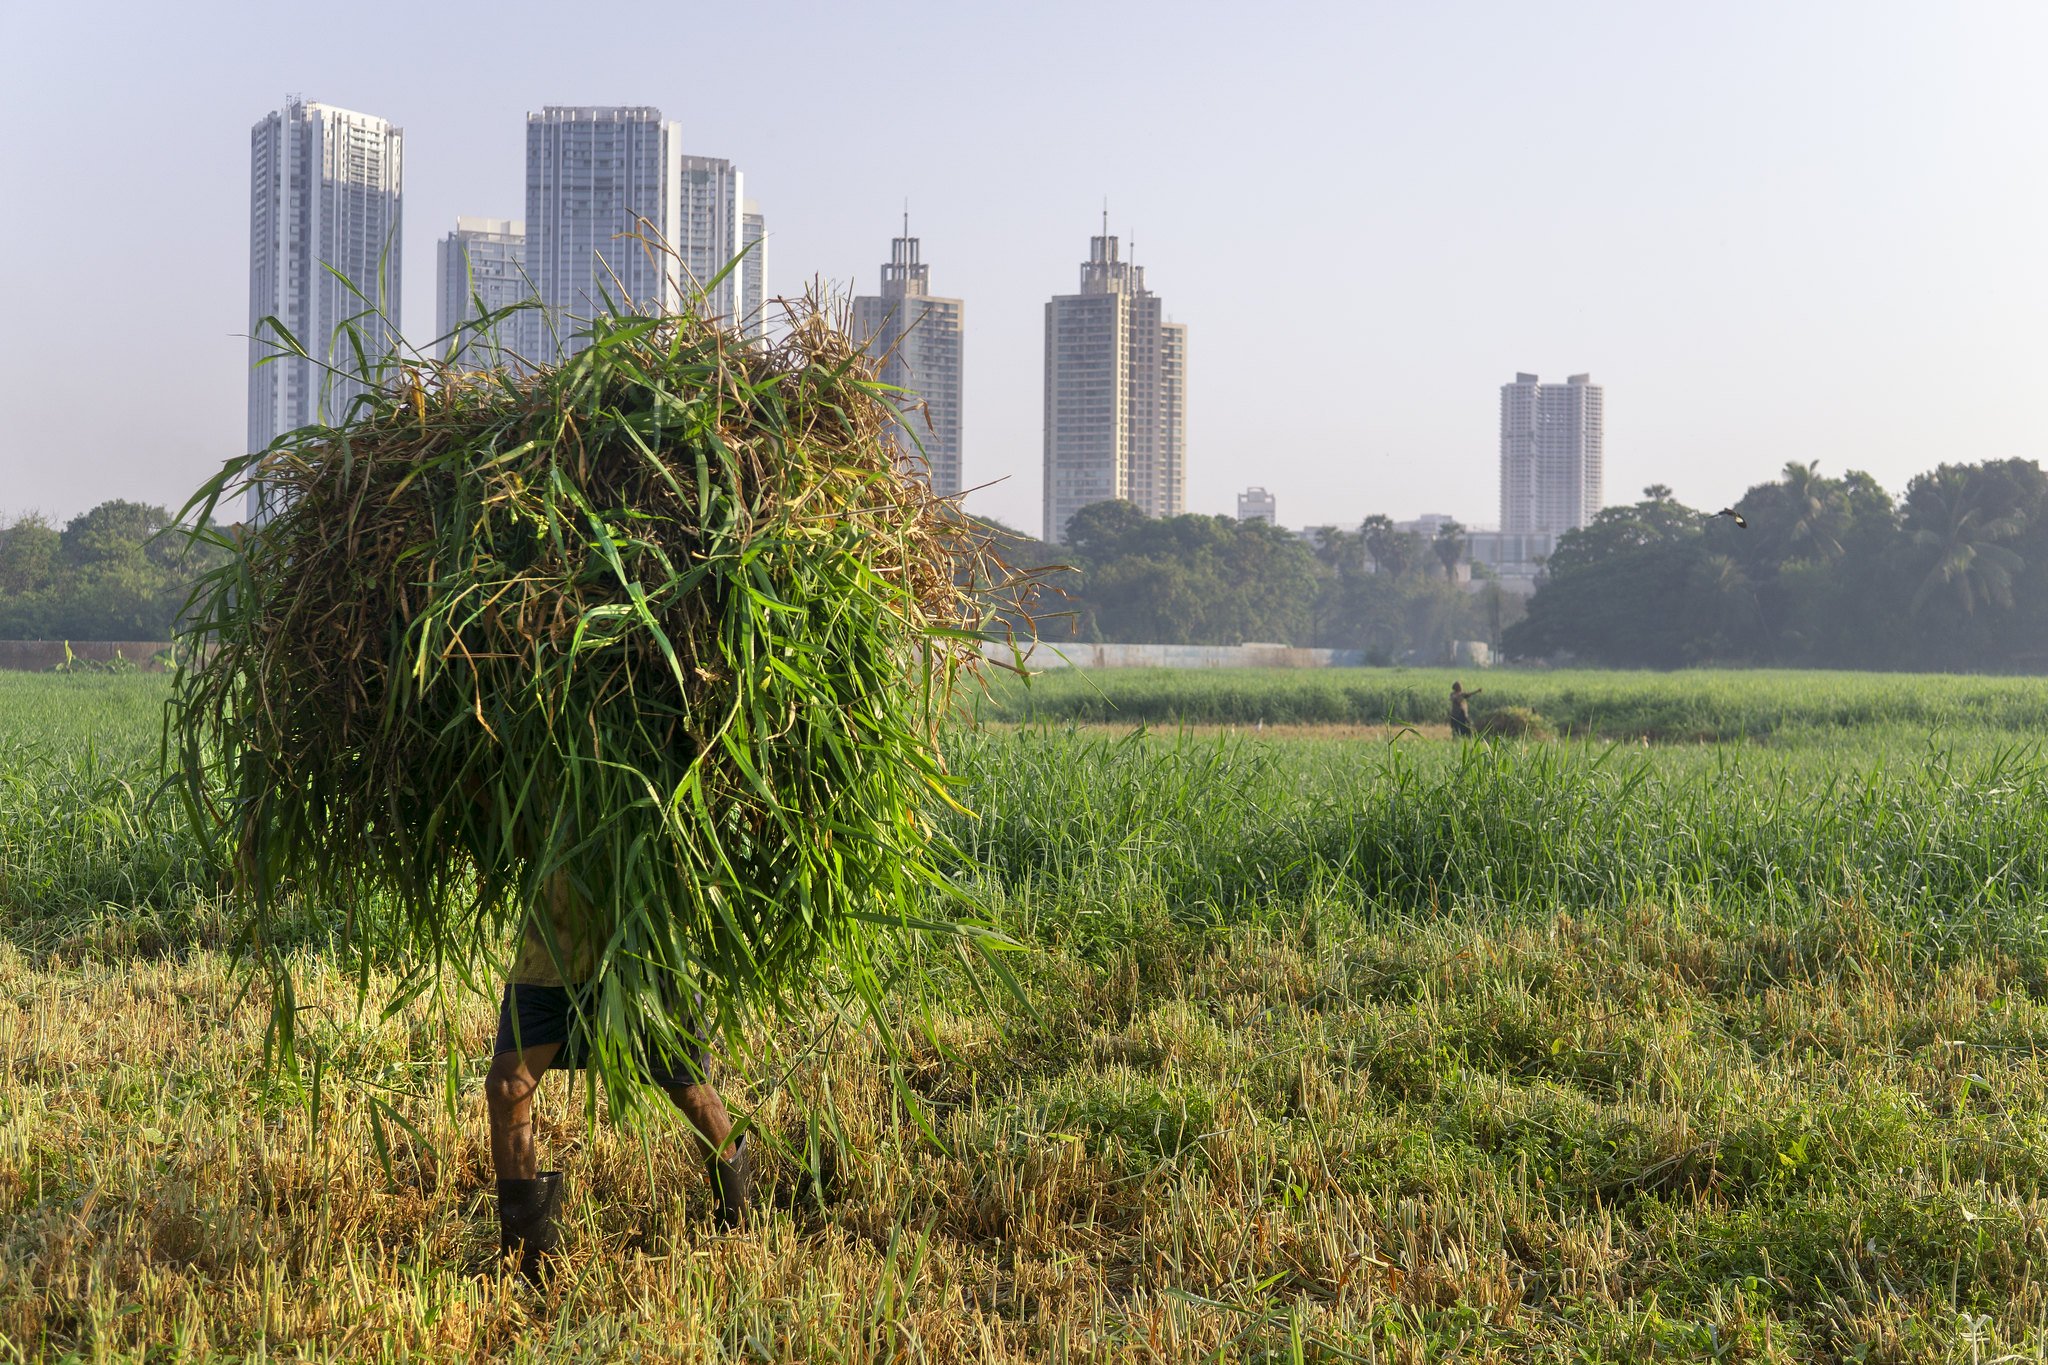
point(1848, 247)
point(1551, 436)
point(696, 204)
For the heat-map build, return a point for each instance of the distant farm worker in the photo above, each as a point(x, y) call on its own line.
point(538, 1028)
point(1461, 714)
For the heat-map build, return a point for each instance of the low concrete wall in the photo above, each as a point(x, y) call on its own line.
point(1064, 654)
point(40, 656)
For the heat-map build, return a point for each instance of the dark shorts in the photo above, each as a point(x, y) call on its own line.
point(530, 1016)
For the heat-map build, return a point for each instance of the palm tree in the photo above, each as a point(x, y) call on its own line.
point(1377, 531)
point(1815, 505)
point(1726, 601)
point(1449, 544)
point(1338, 550)
point(1970, 566)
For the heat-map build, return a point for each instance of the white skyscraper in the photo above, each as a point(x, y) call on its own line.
point(1115, 394)
point(920, 339)
point(713, 231)
point(754, 274)
point(482, 261)
point(594, 176)
point(324, 197)
point(1550, 454)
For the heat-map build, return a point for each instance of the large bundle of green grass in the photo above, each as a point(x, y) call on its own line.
point(668, 621)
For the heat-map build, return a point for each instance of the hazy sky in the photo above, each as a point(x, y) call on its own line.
point(1773, 231)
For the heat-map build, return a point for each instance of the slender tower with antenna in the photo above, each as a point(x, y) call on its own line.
point(920, 339)
point(1115, 394)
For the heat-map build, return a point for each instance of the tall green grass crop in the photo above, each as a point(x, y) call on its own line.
point(1078, 836)
point(96, 857)
point(119, 714)
point(1694, 705)
point(1948, 842)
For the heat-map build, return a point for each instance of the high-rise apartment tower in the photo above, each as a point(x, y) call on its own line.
point(1550, 454)
point(919, 337)
point(482, 262)
point(754, 239)
point(324, 197)
point(595, 177)
point(1115, 394)
point(713, 232)
point(1256, 504)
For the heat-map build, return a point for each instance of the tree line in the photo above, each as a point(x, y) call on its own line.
point(1205, 580)
point(106, 574)
point(1821, 572)
point(1824, 572)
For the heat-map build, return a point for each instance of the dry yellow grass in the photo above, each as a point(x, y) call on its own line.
point(1282, 1152)
point(156, 1207)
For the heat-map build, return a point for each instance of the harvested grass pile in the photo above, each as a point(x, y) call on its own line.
point(1512, 722)
point(667, 621)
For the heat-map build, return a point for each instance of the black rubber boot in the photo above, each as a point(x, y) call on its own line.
point(526, 1222)
point(732, 1184)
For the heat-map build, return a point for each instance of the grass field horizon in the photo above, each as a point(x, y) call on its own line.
point(1686, 706)
point(1371, 1046)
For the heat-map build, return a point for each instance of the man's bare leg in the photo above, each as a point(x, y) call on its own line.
point(728, 1165)
point(701, 1105)
point(528, 1200)
point(509, 1088)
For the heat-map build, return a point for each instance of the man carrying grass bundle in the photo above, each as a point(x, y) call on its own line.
point(539, 1027)
point(641, 657)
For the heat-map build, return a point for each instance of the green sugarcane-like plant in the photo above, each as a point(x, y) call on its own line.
point(670, 623)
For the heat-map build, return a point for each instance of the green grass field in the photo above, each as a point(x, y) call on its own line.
point(1694, 706)
point(1382, 1048)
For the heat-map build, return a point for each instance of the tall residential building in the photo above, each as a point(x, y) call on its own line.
point(482, 262)
point(712, 232)
point(1550, 455)
point(754, 273)
point(595, 177)
point(1115, 394)
point(1256, 504)
point(919, 337)
point(324, 197)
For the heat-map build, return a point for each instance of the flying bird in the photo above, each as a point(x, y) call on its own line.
point(1731, 512)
